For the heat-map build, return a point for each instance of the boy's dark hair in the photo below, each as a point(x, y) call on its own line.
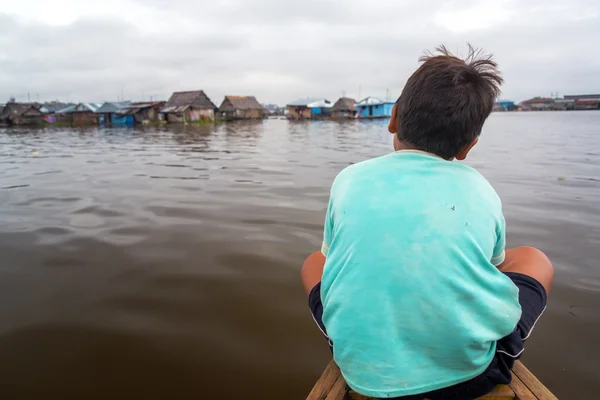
point(446, 101)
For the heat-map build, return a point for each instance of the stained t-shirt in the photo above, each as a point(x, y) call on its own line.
point(412, 298)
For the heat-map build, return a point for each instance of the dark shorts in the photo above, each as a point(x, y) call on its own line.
point(532, 298)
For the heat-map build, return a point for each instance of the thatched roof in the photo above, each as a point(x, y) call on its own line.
point(12, 110)
point(181, 101)
point(345, 104)
point(231, 103)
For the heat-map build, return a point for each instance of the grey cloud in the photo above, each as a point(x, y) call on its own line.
point(280, 50)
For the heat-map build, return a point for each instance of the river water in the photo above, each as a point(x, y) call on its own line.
point(164, 262)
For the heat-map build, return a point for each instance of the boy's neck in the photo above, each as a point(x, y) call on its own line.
point(400, 145)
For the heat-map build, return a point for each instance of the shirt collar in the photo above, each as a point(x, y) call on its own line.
point(425, 153)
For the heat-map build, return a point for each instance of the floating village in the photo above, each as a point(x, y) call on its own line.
point(196, 107)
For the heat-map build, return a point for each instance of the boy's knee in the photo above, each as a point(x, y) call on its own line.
point(310, 264)
point(530, 261)
point(535, 256)
point(312, 270)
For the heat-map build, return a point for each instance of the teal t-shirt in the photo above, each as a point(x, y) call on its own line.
point(411, 296)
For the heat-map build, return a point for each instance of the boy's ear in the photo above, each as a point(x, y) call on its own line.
point(464, 152)
point(393, 126)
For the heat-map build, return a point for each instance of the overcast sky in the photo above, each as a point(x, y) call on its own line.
point(282, 50)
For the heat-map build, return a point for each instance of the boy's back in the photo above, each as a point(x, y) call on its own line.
point(412, 300)
point(413, 288)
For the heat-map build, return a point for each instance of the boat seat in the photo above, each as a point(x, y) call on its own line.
point(524, 386)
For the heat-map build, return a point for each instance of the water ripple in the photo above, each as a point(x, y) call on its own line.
point(175, 250)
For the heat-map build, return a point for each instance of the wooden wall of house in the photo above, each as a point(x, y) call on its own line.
point(243, 114)
point(139, 116)
point(191, 115)
point(175, 118)
point(200, 115)
point(64, 118)
point(85, 118)
point(299, 113)
point(150, 114)
point(28, 120)
point(251, 114)
point(343, 114)
point(207, 114)
point(147, 114)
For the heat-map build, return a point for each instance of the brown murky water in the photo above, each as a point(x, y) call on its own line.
point(163, 262)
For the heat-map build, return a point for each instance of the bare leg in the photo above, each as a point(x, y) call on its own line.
point(529, 261)
point(312, 270)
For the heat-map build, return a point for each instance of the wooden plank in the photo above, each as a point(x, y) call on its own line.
point(339, 389)
point(538, 389)
point(525, 386)
point(352, 395)
point(325, 382)
point(521, 391)
point(500, 392)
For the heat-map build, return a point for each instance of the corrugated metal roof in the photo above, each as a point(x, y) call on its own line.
point(581, 96)
point(113, 107)
point(146, 104)
point(321, 104)
point(81, 107)
point(66, 110)
point(372, 101)
point(175, 109)
point(564, 101)
point(129, 111)
point(54, 107)
point(310, 103)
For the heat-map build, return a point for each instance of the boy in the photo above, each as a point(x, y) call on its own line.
point(413, 287)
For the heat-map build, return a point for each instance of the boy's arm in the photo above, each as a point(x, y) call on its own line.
point(499, 248)
point(328, 229)
point(312, 270)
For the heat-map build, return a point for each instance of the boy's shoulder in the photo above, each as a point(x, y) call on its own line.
point(364, 166)
point(457, 174)
point(404, 160)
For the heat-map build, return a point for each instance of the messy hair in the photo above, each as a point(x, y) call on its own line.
point(446, 101)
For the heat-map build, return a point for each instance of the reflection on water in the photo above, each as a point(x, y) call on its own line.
point(162, 262)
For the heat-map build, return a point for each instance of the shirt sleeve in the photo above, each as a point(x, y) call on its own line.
point(498, 256)
point(328, 229)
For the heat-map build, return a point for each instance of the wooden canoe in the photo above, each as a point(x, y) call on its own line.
point(524, 386)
